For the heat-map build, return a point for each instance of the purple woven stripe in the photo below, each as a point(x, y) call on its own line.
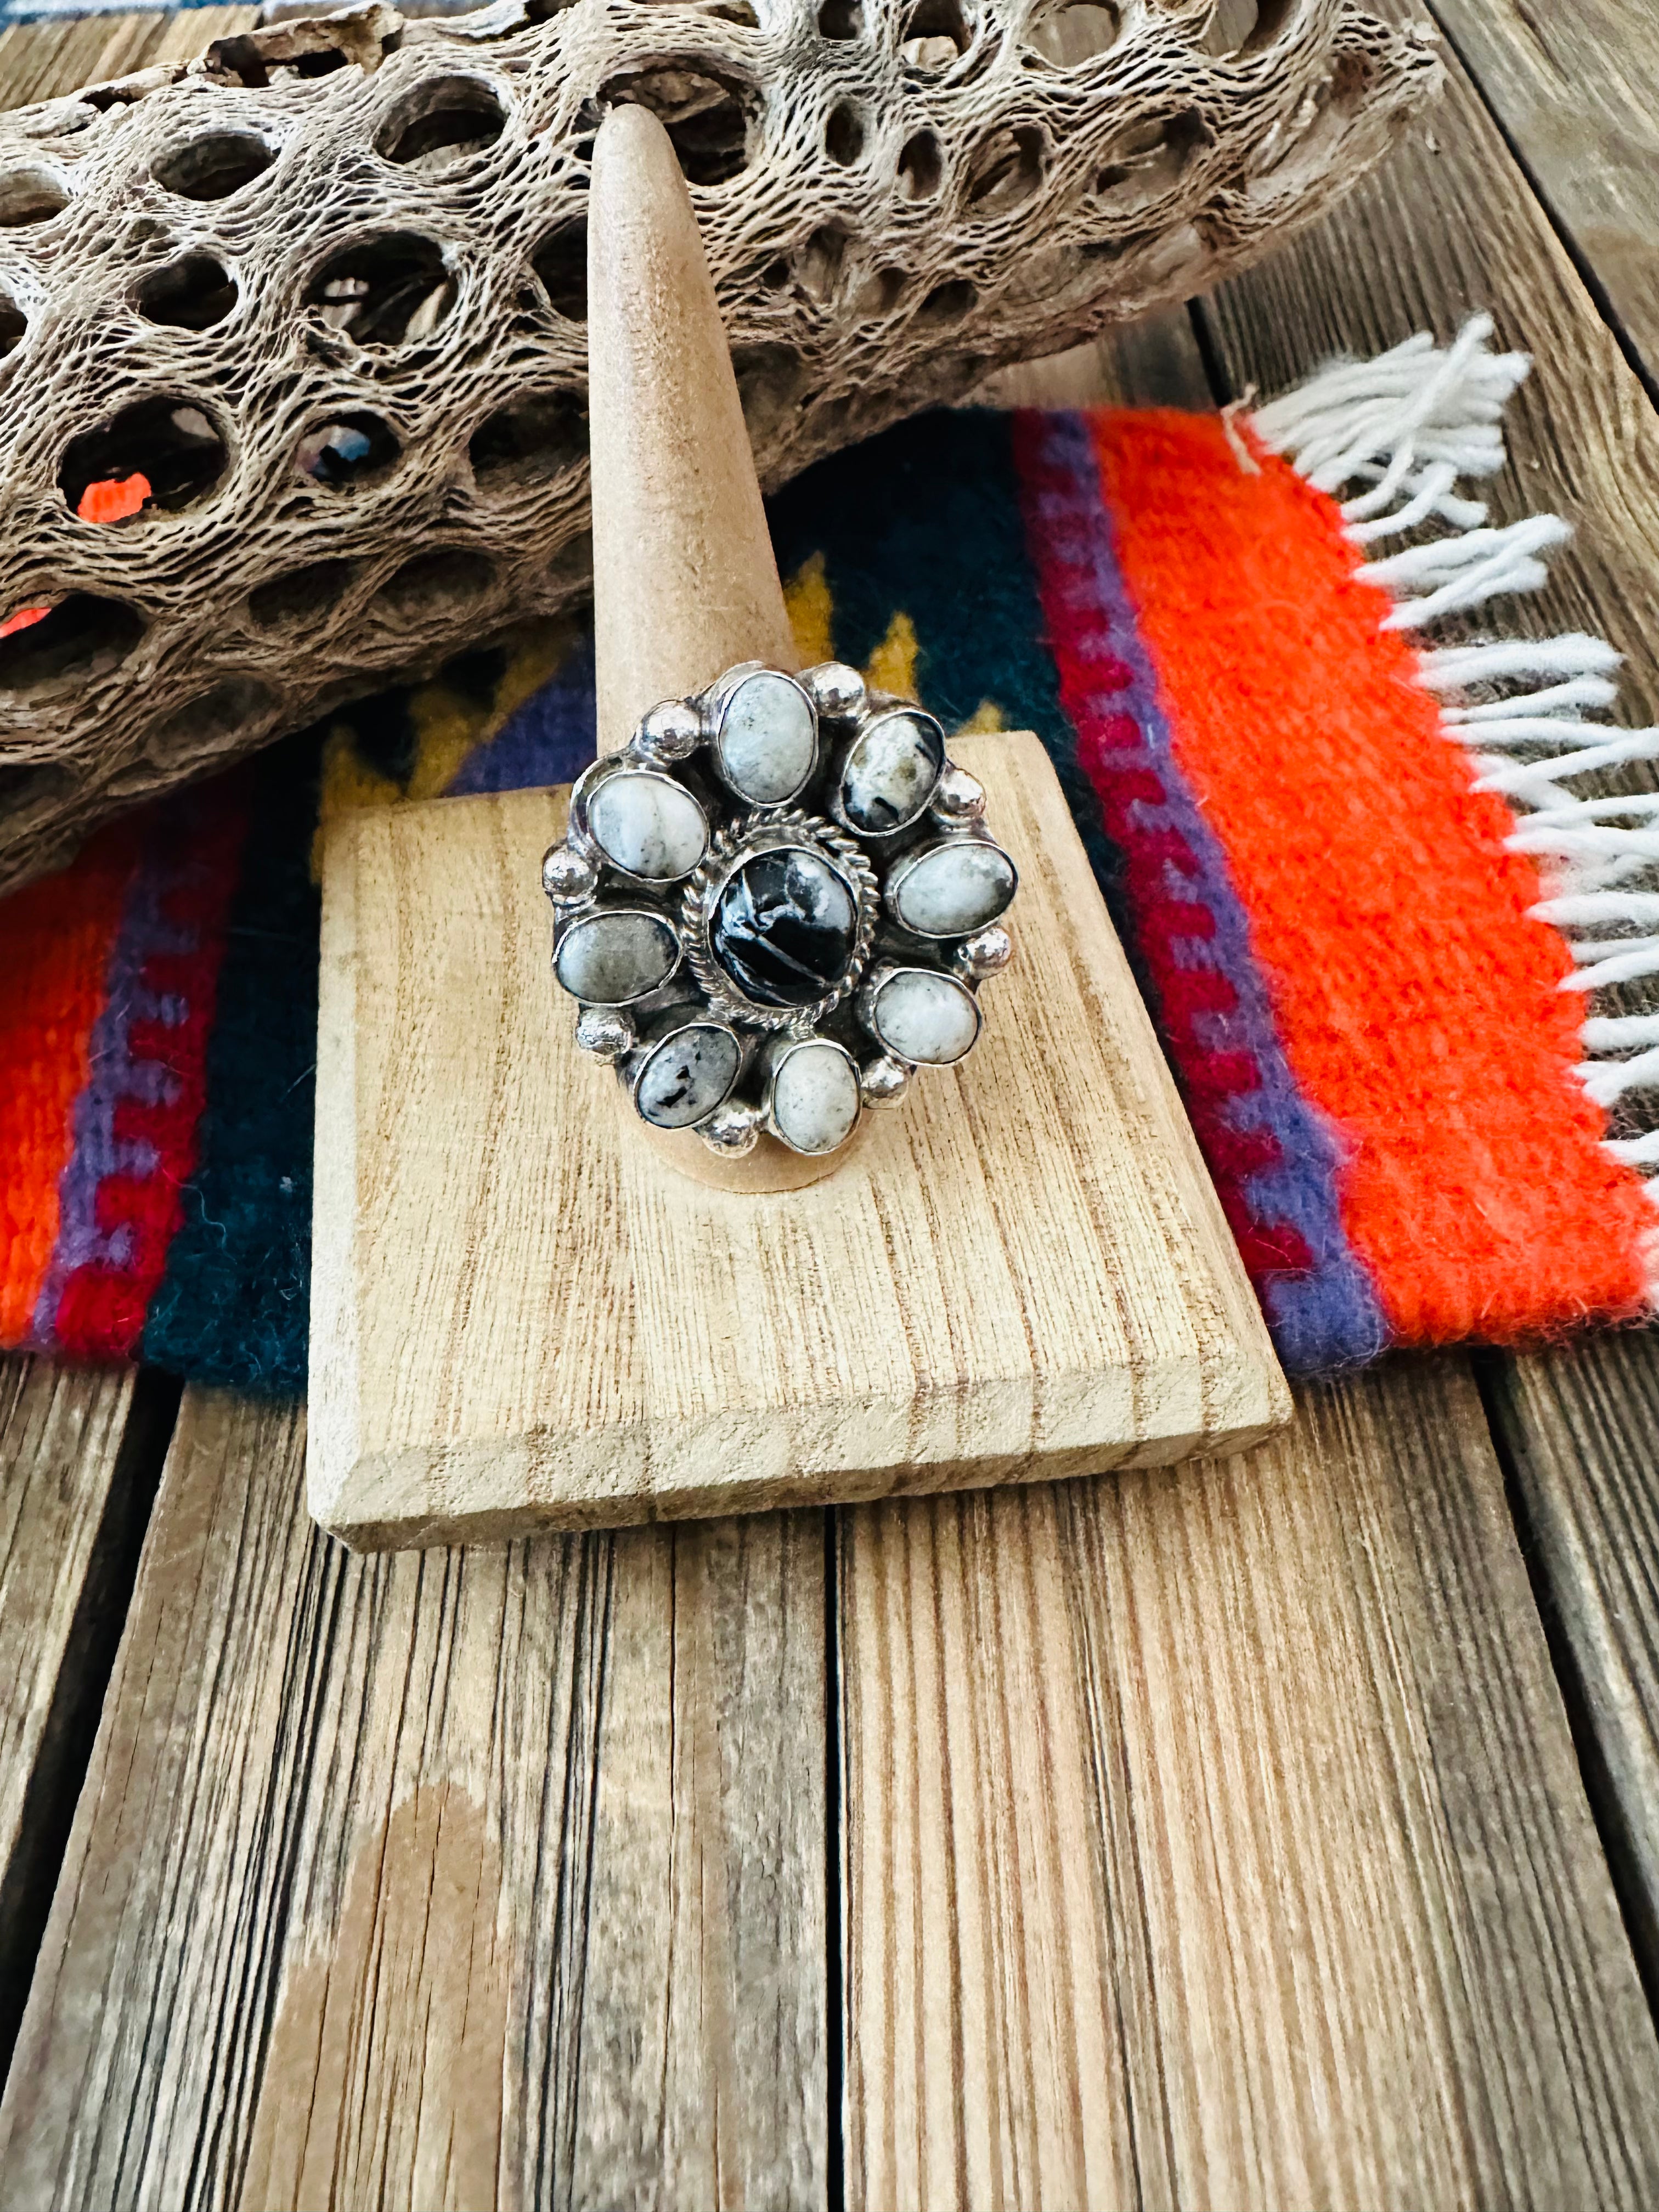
point(113, 1075)
point(549, 739)
point(1326, 1314)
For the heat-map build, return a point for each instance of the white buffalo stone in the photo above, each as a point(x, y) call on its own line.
point(768, 739)
point(889, 774)
point(952, 889)
point(687, 1075)
point(616, 955)
point(922, 1016)
point(815, 1096)
point(648, 824)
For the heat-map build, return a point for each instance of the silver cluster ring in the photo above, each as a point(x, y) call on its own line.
point(776, 902)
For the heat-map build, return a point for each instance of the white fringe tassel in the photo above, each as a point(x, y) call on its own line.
point(1413, 426)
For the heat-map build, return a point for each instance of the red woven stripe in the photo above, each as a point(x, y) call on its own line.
point(1417, 1002)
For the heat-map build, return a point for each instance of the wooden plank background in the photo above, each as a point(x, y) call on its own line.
point(1214, 1836)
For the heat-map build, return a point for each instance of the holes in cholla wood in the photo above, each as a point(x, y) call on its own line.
point(30, 195)
point(256, 60)
point(13, 325)
point(385, 291)
point(199, 729)
point(191, 293)
point(706, 114)
point(214, 167)
point(921, 166)
point(934, 33)
point(947, 303)
point(528, 442)
point(818, 264)
point(80, 637)
point(347, 452)
point(1071, 36)
point(434, 587)
point(32, 787)
point(879, 293)
point(841, 19)
point(1145, 164)
point(303, 597)
point(770, 380)
point(436, 126)
point(168, 441)
point(844, 134)
point(1004, 169)
point(1245, 26)
point(561, 265)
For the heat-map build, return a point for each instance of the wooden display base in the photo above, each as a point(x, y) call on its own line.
point(522, 1317)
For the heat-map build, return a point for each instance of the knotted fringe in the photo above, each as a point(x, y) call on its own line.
point(1413, 426)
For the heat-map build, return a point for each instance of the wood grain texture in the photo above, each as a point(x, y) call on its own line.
point(1577, 92)
point(1152, 363)
point(1450, 226)
point(493, 1879)
point(1215, 1837)
point(685, 585)
point(1446, 228)
point(521, 1318)
point(39, 61)
point(77, 1469)
point(1580, 1426)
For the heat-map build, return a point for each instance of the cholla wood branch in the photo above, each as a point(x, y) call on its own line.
point(313, 305)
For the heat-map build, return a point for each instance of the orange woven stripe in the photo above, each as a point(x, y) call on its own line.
point(58, 937)
point(1417, 1002)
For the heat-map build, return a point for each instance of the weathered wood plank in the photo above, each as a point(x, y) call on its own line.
point(482, 1878)
point(78, 1455)
point(39, 61)
point(1447, 226)
point(1577, 92)
point(1581, 1427)
point(1215, 1837)
point(1450, 226)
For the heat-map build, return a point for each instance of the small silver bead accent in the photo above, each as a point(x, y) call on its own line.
point(837, 690)
point(983, 955)
point(883, 1081)
point(568, 876)
point(959, 797)
point(732, 1130)
point(604, 1033)
point(670, 732)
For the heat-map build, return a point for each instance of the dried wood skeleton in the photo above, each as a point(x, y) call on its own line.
point(316, 301)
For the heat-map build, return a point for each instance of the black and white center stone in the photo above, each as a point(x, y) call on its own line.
point(784, 927)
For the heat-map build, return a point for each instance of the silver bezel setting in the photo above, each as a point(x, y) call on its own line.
point(678, 742)
point(731, 849)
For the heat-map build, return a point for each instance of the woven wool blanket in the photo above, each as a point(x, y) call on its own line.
point(1364, 906)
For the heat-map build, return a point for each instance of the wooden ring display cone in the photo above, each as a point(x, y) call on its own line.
point(524, 1316)
point(686, 583)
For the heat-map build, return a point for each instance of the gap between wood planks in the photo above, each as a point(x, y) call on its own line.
point(1575, 93)
point(226, 1463)
point(81, 1456)
point(1450, 226)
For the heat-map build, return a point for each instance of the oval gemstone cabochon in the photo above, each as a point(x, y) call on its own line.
point(615, 955)
point(890, 773)
point(952, 889)
point(926, 1017)
point(814, 1097)
point(648, 824)
point(688, 1075)
point(768, 739)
